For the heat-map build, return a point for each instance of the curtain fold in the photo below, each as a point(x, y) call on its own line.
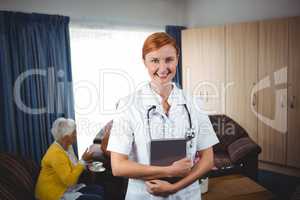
point(35, 80)
point(175, 32)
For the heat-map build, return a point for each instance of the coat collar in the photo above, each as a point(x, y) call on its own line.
point(150, 97)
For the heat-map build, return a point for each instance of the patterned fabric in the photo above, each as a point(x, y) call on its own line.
point(241, 147)
point(7, 193)
point(17, 177)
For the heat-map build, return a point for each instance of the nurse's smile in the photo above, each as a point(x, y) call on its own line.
point(164, 74)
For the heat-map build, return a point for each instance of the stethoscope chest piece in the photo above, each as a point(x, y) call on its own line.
point(190, 135)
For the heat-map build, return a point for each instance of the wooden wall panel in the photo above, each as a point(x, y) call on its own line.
point(234, 58)
point(242, 74)
point(204, 66)
point(293, 143)
point(272, 106)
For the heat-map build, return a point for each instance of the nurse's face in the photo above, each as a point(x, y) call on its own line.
point(161, 65)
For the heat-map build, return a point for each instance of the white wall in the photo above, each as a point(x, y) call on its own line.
point(136, 12)
point(215, 12)
point(157, 13)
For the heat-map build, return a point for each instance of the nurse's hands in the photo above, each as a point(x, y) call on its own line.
point(160, 188)
point(180, 168)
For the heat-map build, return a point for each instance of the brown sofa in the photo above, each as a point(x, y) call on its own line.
point(236, 152)
point(18, 176)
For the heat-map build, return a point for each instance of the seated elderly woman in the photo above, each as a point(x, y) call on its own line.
point(60, 170)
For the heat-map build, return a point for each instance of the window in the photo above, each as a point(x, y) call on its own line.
point(106, 65)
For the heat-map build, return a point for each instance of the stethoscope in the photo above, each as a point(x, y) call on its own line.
point(190, 133)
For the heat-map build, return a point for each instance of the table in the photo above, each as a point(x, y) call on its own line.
point(114, 187)
point(235, 187)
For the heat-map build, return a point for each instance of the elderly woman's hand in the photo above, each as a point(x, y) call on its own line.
point(87, 155)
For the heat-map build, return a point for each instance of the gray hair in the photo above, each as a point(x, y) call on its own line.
point(62, 127)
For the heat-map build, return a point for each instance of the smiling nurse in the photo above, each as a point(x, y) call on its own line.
point(172, 117)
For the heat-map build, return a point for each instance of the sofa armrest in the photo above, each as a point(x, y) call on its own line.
point(242, 147)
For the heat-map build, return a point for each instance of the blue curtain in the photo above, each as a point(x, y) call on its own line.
point(35, 80)
point(175, 32)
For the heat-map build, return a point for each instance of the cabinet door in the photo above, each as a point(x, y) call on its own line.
point(272, 92)
point(203, 52)
point(189, 48)
point(293, 147)
point(242, 74)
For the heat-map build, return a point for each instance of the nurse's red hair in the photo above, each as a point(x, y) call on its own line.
point(158, 40)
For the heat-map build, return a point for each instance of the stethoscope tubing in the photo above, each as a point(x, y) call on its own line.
point(153, 107)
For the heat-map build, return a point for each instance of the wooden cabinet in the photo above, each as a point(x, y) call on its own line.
point(272, 92)
point(203, 60)
point(252, 70)
point(293, 146)
point(242, 74)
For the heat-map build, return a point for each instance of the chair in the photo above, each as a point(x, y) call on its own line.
point(110, 182)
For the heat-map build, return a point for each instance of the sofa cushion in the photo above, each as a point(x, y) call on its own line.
point(227, 131)
point(241, 147)
point(221, 159)
point(18, 177)
point(7, 192)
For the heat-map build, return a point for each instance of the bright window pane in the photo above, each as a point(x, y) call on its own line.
point(106, 65)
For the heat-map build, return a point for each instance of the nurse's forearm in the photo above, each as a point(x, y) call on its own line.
point(132, 169)
point(204, 165)
point(121, 166)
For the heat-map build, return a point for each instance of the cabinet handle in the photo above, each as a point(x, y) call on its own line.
point(292, 104)
point(254, 100)
point(281, 102)
point(254, 96)
point(206, 96)
point(201, 95)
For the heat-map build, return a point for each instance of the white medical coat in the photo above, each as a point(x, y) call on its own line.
point(130, 134)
